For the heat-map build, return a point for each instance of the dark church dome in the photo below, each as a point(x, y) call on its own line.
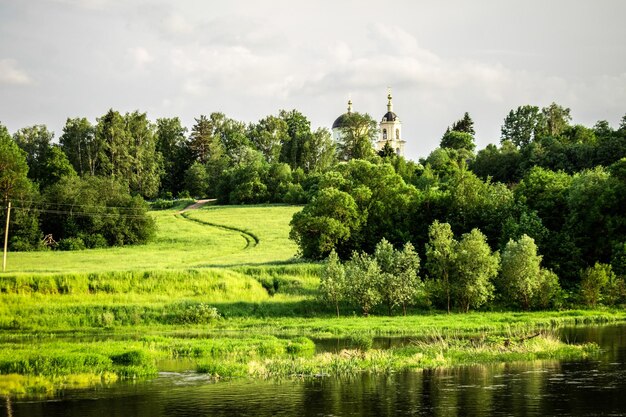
point(340, 121)
point(390, 117)
point(343, 119)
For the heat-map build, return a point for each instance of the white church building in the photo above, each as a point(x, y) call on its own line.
point(390, 129)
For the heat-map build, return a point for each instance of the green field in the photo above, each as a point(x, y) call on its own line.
point(212, 236)
point(222, 289)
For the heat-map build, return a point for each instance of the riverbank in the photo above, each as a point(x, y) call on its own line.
point(40, 363)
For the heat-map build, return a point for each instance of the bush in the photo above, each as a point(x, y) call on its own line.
point(95, 241)
point(197, 313)
point(593, 282)
point(161, 204)
point(71, 243)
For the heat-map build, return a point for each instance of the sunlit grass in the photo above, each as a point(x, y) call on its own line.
point(181, 243)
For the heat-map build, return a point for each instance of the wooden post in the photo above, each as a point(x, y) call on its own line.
point(6, 239)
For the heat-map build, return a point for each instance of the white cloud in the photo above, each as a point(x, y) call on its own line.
point(11, 74)
point(177, 24)
point(95, 5)
point(141, 57)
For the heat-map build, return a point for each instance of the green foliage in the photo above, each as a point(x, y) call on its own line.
point(197, 180)
point(549, 294)
point(71, 243)
point(358, 133)
point(363, 278)
point(13, 167)
point(522, 126)
point(103, 207)
point(465, 125)
point(458, 140)
point(127, 150)
point(475, 266)
point(324, 223)
point(500, 164)
point(197, 313)
point(521, 276)
point(56, 167)
point(333, 281)
point(440, 256)
point(36, 142)
point(171, 144)
point(594, 281)
point(399, 283)
point(79, 144)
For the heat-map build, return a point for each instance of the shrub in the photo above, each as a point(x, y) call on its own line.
point(72, 243)
point(197, 313)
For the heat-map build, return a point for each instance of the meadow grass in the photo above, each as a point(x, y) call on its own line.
point(183, 241)
point(220, 286)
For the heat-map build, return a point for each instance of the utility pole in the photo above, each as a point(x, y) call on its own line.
point(6, 239)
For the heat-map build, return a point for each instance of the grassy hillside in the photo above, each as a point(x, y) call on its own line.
point(221, 289)
point(211, 236)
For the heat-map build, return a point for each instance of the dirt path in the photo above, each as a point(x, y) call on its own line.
point(195, 206)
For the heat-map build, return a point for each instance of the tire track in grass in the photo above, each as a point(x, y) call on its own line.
point(251, 239)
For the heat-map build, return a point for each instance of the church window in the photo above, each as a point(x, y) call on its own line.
point(384, 133)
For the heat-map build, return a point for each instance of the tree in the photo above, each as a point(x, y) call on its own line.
point(298, 129)
point(196, 180)
point(36, 142)
point(97, 210)
point(333, 281)
point(593, 282)
point(127, 151)
point(465, 125)
point(387, 151)
point(440, 255)
point(171, 144)
point(318, 151)
point(502, 165)
point(13, 167)
point(268, 136)
point(363, 280)
point(546, 191)
point(146, 168)
point(555, 119)
point(200, 139)
point(56, 166)
point(325, 223)
point(475, 266)
point(358, 132)
point(79, 144)
point(399, 282)
point(520, 278)
point(458, 140)
point(522, 126)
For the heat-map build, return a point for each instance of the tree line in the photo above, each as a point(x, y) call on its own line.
point(560, 184)
point(571, 207)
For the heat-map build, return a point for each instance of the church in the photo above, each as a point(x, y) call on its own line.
point(390, 129)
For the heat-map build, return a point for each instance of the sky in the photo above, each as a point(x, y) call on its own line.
point(249, 59)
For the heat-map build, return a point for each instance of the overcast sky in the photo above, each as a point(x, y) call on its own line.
point(249, 59)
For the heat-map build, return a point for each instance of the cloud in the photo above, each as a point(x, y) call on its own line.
point(11, 74)
point(141, 57)
point(94, 5)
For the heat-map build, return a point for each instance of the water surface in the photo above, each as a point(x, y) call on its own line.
point(542, 388)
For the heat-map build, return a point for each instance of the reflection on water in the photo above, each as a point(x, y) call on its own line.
point(531, 389)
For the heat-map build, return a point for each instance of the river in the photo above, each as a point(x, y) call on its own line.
point(546, 388)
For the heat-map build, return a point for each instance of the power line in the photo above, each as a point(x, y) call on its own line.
point(75, 205)
point(79, 213)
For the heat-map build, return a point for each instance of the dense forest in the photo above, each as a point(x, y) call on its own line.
point(550, 188)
